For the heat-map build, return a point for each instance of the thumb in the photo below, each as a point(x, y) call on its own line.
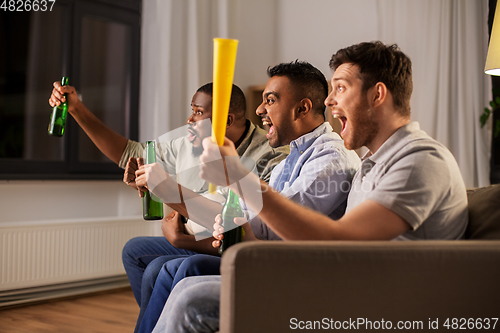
point(241, 221)
point(140, 163)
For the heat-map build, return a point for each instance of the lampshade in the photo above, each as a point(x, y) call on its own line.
point(492, 66)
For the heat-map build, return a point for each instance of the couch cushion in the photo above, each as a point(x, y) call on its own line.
point(484, 213)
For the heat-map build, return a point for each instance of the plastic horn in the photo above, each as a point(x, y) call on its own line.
point(224, 61)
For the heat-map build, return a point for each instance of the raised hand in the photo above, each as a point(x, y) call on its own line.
point(57, 96)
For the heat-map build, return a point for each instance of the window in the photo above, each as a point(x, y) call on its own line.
point(97, 45)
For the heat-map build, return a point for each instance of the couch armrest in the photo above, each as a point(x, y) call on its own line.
point(267, 284)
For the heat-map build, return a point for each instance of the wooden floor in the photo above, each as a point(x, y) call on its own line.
point(103, 313)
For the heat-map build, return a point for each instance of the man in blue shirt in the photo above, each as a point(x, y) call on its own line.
point(317, 173)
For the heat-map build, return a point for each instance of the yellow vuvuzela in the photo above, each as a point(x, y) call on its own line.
point(224, 61)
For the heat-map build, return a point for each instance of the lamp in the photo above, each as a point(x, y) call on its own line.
point(492, 66)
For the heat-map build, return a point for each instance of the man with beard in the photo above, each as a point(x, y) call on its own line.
point(317, 173)
point(179, 156)
point(408, 187)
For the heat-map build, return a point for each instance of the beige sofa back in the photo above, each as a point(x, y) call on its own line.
point(484, 213)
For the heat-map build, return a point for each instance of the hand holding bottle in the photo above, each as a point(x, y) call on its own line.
point(57, 97)
point(129, 174)
point(218, 233)
point(150, 176)
point(57, 122)
point(152, 206)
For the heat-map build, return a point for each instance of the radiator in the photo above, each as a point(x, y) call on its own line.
point(45, 258)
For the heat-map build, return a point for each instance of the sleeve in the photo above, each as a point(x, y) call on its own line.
point(132, 149)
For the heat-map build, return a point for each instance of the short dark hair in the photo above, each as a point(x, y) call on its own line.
point(238, 103)
point(378, 62)
point(308, 79)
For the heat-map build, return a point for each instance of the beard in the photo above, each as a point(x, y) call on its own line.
point(364, 128)
point(281, 136)
point(197, 150)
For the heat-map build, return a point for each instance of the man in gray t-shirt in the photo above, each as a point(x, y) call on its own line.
point(417, 178)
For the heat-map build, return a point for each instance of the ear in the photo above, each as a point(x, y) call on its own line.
point(379, 94)
point(230, 120)
point(304, 108)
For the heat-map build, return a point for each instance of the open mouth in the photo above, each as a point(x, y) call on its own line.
point(343, 121)
point(192, 135)
point(267, 122)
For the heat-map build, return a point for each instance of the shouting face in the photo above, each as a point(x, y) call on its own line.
point(199, 123)
point(349, 104)
point(277, 110)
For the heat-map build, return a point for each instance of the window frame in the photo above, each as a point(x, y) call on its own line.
point(126, 12)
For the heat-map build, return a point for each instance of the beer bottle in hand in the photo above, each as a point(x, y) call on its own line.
point(152, 206)
point(59, 114)
point(233, 232)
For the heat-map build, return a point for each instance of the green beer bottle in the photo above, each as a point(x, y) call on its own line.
point(59, 114)
point(152, 206)
point(234, 232)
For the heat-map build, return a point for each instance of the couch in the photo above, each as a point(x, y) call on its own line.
point(421, 286)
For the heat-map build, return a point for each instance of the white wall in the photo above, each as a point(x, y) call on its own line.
point(314, 30)
point(43, 201)
point(274, 31)
point(254, 25)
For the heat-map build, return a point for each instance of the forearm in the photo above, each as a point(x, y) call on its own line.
point(191, 205)
point(107, 141)
point(291, 221)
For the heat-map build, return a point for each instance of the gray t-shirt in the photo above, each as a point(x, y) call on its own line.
point(417, 178)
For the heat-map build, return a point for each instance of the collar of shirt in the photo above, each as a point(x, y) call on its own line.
point(247, 139)
point(302, 143)
point(297, 148)
point(394, 143)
